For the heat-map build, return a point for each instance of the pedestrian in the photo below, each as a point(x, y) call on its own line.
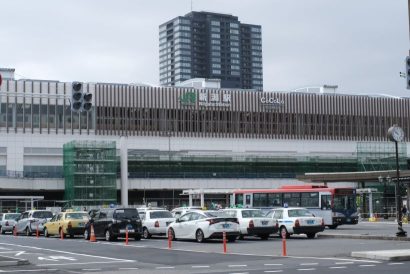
point(404, 211)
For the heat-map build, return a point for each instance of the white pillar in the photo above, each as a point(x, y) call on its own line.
point(202, 199)
point(32, 203)
point(124, 170)
point(370, 203)
point(190, 199)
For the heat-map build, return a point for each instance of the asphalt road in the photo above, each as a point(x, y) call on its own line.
point(320, 255)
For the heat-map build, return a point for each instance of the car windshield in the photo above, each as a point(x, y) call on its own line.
point(42, 214)
point(252, 213)
point(11, 216)
point(76, 215)
point(160, 214)
point(299, 213)
point(216, 214)
point(127, 213)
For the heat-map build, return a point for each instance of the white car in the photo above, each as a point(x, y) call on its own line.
point(155, 222)
point(200, 225)
point(179, 211)
point(252, 222)
point(297, 220)
point(31, 220)
point(143, 210)
point(7, 221)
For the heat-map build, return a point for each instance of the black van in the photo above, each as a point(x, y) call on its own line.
point(112, 223)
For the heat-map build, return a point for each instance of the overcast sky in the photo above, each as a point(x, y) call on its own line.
point(359, 45)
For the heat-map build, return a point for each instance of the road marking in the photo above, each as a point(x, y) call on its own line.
point(129, 268)
point(28, 270)
point(366, 265)
point(92, 269)
point(237, 265)
point(80, 263)
point(71, 253)
point(309, 264)
point(337, 267)
point(394, 263)
point(306, 269)
point(165, 267)
point(344, 263)
point(272, 264)
point(273, 271)
point(200, 266)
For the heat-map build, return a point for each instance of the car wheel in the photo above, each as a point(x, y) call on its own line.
point(283, 230)
point(311, 235)
point(2, 231)
point(71, 236)
point(86, 235)
point(332, 226)
point(199, 235)
point(231, 239)
point(145, 233)
point(108, 236)
point(28, 232)
point(138, 237)
point(46, 232)
point(264, 236)
point(241, 237)
point(172, 233)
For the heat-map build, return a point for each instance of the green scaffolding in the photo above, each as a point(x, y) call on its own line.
point(374, 156)
point(90, 173)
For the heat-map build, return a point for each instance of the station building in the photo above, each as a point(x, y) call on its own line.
point(194, 138)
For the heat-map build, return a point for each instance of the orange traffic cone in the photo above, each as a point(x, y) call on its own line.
point(92, 234)
point(15, 232)
point(61, 234)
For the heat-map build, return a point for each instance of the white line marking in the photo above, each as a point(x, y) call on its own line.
point(237, 265)
point(306, 269)
point(366, 265)
point(272, 264)
point(273, 271)
point(344, 263)
point(71, 253)
point(239, 273)
point(165, 267)
point(337, 267)
point(92, 269)
point(394, 263)
point(200, 266)
point(129, 268)
point(309, 264)
point(80, 263)
point(28, 270)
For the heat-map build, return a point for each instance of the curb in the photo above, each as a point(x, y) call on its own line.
point(364, 237)
point(10, 261)
point(386, 255)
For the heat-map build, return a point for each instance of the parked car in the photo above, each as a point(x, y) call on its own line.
point(70, 223)
point(155, 222)
point(7, 221)
point(200, 225)
point(113, 223)
point(252, 222)
point(142, 210)
point(30, 221)
point(297, 220)
point(179, 211)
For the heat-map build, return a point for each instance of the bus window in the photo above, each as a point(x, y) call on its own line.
point(292, 199)
point(274, 199)
point(239, 199)
point(248, 200)
point(344, 202)
point(325, 202)
point(310, 199)
point(260, 199)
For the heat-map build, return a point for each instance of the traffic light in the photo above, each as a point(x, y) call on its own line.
point(87, 104)
point(408, 71)
point(76, 96)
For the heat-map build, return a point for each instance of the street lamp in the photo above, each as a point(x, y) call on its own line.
point(396, 134)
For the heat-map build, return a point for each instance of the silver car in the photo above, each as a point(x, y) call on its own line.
point(31, 221)
point(7, 221)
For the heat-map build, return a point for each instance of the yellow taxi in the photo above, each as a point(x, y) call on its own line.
point(69, 222)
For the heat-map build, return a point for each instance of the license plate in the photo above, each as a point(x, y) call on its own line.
point(226, 225)
point(310, 222)
point(264, 222)
point(129, 230)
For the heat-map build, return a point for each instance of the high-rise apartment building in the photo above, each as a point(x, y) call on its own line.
point(211, 45)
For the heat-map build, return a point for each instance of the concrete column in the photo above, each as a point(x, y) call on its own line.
point(31, 203)
point(202, 199)
point(124, 170)
point(190, 200)
point(370, 203)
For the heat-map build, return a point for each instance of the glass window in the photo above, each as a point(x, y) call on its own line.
point(251, 213)
point(310, 199)
point(185, 217)
point(299, 213)
point(278, 214)
point(292, 199)
point(344, 202)
point(128, 213)
point(76, 215)
point(325, 202)
point(275, 199)
point(239, 199)
point(42, 214)
point(260, 199)
point(160, 214)
point(11, 216)
point(231, 213)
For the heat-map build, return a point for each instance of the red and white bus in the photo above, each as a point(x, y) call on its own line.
point(336, 206)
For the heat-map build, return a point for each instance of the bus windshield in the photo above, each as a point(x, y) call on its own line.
point(344, 202)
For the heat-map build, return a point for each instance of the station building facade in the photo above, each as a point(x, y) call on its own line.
point(185, 138)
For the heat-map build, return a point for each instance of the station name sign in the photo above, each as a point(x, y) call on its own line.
point(205, 99)
point(271, 103)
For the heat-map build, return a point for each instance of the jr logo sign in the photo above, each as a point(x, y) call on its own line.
point(188, 98)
